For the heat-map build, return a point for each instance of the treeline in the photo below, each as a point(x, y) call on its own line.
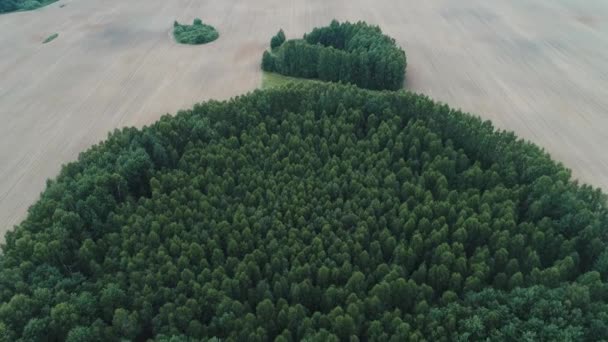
point(342, 52)
point(22, 5)
point(321, 212)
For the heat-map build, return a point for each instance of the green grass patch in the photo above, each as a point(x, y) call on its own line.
point(50, 38)
point(274, 80)
point(197, 33)
point(271, 80)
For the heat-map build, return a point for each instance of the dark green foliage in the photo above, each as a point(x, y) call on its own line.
point(50, 38)
point(22, 5)
point(8, 6)
point(277, 39)
point(197, 33)
point(316, 212)
point(267, 61)
point(341, 52)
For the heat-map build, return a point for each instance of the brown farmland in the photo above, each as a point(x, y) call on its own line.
point(537, 67)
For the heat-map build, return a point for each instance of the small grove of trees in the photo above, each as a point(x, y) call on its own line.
point(316, 212)
point(197, 33)
point(341, 52)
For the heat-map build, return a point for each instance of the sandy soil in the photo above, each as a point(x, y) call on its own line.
point(538, 67)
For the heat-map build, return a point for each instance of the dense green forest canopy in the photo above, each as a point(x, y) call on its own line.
point(341, 52)
point(311, 211)
point(22, 5)
point(197, 33)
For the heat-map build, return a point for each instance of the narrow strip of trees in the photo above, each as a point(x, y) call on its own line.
point(341, 52)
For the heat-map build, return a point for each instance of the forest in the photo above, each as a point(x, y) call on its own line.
point(322, 212)
point(341, 52)
point(22, 5)
point(195, 34)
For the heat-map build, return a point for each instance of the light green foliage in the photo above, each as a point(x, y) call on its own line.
point(271, 79)
point(197, 33)
point(310, 211)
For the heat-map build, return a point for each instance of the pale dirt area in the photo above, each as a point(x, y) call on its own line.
point(537, 67)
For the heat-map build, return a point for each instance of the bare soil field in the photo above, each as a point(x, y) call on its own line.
point(537, 67)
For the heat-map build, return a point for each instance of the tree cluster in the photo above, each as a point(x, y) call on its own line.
point(22, 5)
point(341, 52)
point(197, 33)
point(321, 212)
point(277, 40)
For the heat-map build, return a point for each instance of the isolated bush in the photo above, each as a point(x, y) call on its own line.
point(197, 33)
point(341, 52)
point(50, 38)
point(316, 212)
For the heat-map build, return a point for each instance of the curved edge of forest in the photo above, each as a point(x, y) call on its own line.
point(10, 6)
point(57, 239)
point(355, 53)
